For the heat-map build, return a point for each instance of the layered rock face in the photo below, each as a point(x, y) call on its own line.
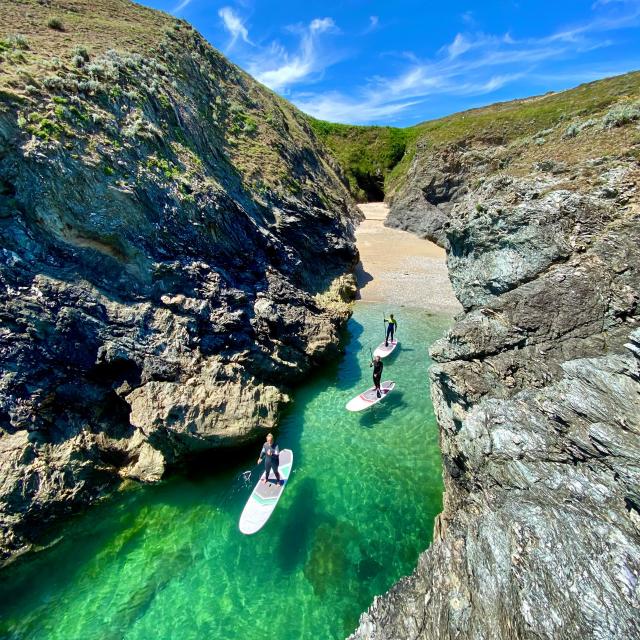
point(537, 393)
point(174, 244)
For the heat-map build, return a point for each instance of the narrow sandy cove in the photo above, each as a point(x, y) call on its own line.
point(399, 268)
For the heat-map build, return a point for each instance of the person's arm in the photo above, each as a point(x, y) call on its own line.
point(277, 450)
point(260, 457)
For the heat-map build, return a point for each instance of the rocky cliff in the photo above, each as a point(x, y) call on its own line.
point(174, 244)
point(537, 384)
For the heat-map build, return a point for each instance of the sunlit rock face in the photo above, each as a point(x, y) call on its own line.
point(537, 393)
point(175, 253)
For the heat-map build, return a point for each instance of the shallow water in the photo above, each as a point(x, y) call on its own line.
point(168, 561)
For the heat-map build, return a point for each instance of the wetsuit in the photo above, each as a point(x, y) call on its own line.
point(271, 455)
point(391, 327)
point(377, 374)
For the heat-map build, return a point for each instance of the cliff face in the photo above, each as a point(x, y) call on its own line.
point(173, 248)
point(536, 389)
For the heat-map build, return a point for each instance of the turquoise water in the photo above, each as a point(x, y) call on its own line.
point(168, 561)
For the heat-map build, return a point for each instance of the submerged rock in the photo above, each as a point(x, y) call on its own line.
point(176, 250)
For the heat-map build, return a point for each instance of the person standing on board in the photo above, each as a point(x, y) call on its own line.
point(392, 327)
point(377, 365)
point(271, 455)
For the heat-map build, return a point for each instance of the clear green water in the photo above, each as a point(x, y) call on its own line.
point(168, 562)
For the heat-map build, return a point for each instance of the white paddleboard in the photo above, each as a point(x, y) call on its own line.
point(383, 351)
point(369, 397)
point(265, 496)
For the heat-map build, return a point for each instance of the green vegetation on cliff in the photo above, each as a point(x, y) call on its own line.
point(366, 154)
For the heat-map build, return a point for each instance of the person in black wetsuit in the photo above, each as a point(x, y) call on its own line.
point(377, 365)
point(271, 454)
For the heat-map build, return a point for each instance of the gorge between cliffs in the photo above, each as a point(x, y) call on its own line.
point(183, 268)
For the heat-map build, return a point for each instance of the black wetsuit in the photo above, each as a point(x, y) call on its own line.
point(271, 455)
point(377, 373)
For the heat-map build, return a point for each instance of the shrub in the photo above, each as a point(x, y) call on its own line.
point(55, 24)
point(78, 61)
point(53, 82)
point(81, 51)
point(622, 114)
point(18, 42)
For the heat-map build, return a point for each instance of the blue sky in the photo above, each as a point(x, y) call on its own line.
point(404, 61)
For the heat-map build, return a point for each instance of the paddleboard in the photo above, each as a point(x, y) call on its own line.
point(369, 397)
point(383, 351)
point(265, 496)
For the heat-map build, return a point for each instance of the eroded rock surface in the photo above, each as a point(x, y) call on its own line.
point(174, 251)
point(537, 394)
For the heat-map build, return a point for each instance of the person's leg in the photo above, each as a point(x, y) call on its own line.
point(376, 382)
point(267, 468)
point(391, 331)
point(275, 470)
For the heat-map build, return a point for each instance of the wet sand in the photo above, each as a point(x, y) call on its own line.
point(399, 268)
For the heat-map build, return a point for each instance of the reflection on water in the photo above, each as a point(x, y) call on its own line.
point(168, 561)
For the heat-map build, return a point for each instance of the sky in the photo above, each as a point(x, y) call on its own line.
point(400, 62)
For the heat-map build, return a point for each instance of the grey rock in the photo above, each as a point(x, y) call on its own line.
point(537, 393)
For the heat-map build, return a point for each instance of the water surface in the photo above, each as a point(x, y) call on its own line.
point(168, 561)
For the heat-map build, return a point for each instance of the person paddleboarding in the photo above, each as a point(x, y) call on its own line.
point(271, 455)
point(377, 365)
point(392, 327)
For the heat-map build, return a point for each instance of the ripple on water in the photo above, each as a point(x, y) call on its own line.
point(168, 561)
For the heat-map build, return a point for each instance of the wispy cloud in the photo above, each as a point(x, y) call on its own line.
point(337, 107)
point(179, 7)
point(279, 68)
point(472, 64)
point(234, 25)
point(374, 23)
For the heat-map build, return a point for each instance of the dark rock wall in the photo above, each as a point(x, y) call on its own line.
point(173, 250)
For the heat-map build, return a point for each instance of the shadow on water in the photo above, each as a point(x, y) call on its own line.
point(298, 527)
point(383, 410)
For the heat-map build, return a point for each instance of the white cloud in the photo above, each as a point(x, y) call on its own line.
point(336, 107)
point(278, 68)
point(459, 46)
point(321, 24)
point(234, 25)
point(179, 7)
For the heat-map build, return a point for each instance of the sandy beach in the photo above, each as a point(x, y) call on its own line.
point(399, 268)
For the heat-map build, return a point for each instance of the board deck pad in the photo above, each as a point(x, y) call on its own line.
point(369, 397)
point(383, 351)
point(265, 496)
